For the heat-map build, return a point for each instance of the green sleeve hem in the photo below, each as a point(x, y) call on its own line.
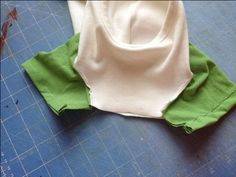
point(211, 117)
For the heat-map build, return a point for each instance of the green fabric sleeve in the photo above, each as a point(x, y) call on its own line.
point(57, 81)
point(208, 96)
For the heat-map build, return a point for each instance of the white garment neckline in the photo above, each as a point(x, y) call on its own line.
point(158, 38)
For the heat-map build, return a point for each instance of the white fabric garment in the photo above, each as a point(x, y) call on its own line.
point(76, 9)
point(134, 55)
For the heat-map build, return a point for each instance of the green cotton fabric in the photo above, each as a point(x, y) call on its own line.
point(208, 96)
point(57, 81)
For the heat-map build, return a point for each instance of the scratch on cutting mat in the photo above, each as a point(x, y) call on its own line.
point(12, 15)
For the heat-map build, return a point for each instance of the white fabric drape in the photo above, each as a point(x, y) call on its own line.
point(133, 55)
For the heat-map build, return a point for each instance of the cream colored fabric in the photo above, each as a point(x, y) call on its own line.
point(134, 55)
point(76, 9)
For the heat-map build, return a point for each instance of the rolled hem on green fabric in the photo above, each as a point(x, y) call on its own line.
point(211, 117)
point(63, 109)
